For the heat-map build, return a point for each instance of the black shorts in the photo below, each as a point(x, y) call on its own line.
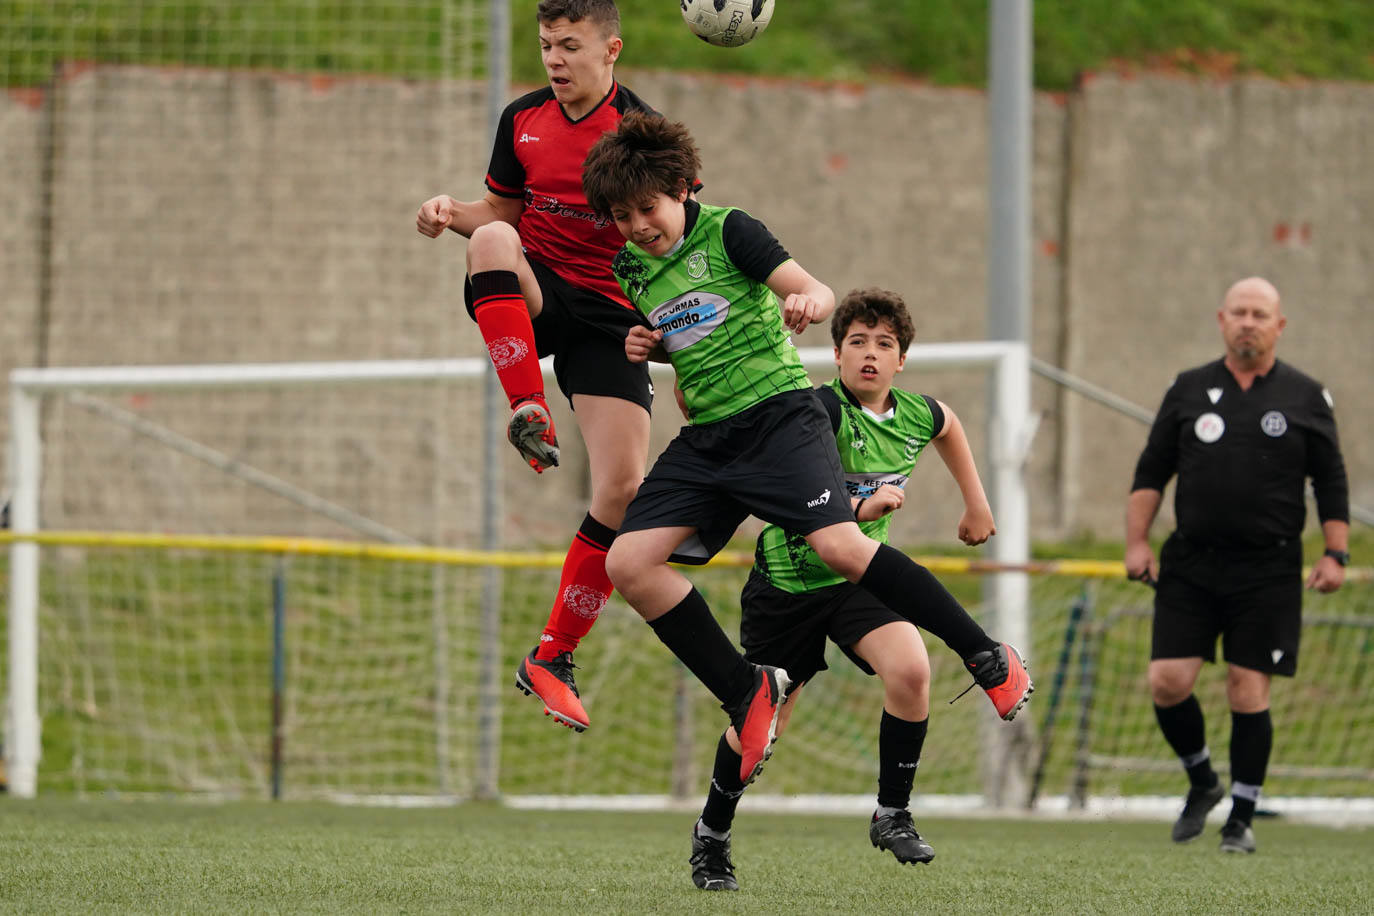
point(1252, 599)
point(585, 332)
point(789, 631)
point(777, 460)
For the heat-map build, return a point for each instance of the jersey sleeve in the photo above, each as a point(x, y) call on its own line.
point(1325, 465)
point(505, 173)
point(751, 247)
point(830, 400)
point(937, 415)
point(1159, 459)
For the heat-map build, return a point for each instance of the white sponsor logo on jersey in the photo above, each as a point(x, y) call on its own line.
point(862, 486)
point(1209, 427)
point(819, 501)
point(689, 318)
point(1214, 394)
point(1274, 424)
point(528, 138)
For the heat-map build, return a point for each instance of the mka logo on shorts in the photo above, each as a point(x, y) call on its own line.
point(689, 318)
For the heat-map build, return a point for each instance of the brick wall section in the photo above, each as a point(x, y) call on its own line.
point(203, 216)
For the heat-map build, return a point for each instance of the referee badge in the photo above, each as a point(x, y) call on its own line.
point(1274, 424)
point(1209, 427)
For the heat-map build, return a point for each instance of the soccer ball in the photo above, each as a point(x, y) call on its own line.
point(727, 23)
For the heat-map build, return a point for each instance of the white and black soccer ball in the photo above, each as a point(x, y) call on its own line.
point(727, 23)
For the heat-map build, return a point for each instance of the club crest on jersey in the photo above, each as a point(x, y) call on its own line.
point(698, 265)
point(1209, 427)
point(911, 449)
point(688, 318)
point(1274, 424)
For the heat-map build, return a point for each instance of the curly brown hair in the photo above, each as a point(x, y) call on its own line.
point(645, 155)
point(872, 306)
point(603, 12)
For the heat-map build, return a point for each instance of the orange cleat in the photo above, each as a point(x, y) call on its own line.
point(1002, 675)
point(552, 682)
point(531, 432)
point(756, 719)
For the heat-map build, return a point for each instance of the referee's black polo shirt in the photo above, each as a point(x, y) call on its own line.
point(1242, 457)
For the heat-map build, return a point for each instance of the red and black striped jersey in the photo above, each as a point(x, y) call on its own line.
point(538, 156)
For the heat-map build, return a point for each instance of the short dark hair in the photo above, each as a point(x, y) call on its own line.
point(645, 155)
point(872, 306)
point(603, 12)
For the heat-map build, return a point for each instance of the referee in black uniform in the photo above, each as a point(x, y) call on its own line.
point(1243, 434)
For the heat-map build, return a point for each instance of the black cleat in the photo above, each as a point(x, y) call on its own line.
point(1236, 836)
point(1195, 808)
point(712, 869)
point(897, 833)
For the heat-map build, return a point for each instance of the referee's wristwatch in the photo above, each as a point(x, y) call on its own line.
point(1340, 556)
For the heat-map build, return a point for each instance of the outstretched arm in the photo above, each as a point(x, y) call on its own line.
point(976, 525)
point(443, 212)
point(805, 300)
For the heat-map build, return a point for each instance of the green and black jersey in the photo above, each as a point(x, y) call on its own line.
point(722, 327)
point(874, 450)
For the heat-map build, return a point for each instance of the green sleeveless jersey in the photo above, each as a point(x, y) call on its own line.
point(873, 452)
point(722, 329)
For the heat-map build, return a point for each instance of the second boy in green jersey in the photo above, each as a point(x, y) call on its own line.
point(793, 602)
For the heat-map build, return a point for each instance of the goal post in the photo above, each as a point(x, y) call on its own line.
point(1006, 441)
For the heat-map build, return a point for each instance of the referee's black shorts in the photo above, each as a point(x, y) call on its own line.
point(789, 630)
point(776, 460)
point(585, 332)
point(1252, 599)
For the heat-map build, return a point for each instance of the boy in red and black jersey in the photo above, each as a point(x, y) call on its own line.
point(539, 282)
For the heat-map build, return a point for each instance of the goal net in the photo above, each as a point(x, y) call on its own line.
point(230, 596)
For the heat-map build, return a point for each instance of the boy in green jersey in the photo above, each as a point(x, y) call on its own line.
point(758, 440)
point(793, 602)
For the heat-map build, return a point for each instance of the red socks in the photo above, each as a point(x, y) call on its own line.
point(582, 591)
point(502, 317)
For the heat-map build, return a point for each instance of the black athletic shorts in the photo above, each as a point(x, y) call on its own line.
point(1252, 599)
point(776, 460)
point(585, 332)
point(789, 631)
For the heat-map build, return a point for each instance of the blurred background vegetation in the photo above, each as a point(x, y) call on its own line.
point(942, 41)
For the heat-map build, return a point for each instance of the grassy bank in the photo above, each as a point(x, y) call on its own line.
point(943, 41)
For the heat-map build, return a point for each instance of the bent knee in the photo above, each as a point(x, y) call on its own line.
point(1168, 688)
point(619, 567)
point(494, 242)
point(911, 682)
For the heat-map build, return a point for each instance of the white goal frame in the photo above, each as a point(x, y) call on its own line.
point(1010, 429)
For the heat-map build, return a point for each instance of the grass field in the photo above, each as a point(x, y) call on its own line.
point(114, 856)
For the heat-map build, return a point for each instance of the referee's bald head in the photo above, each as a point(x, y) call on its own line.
point(1252, 287)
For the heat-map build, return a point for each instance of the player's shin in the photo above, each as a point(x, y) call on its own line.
point(582, 591)
point(504, 320)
